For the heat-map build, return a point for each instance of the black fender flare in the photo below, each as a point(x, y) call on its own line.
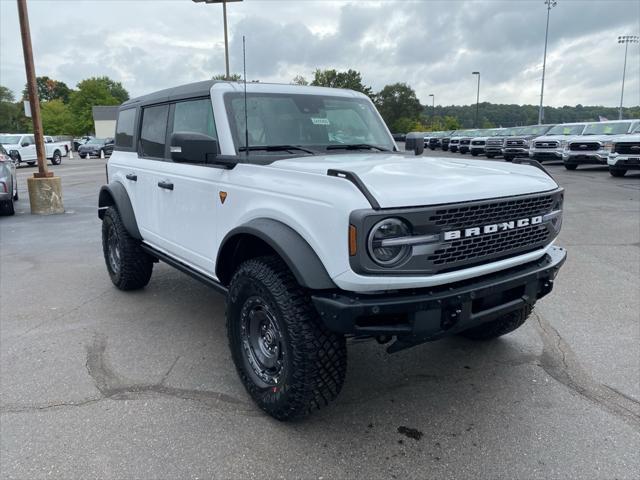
point(296, 252)
point(116, 195)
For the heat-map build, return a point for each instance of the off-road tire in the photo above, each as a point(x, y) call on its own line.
point(134, 264)
point(56, 159)
point(617, 172)
point(315, 360)
point(503, 325)
point(570, 166)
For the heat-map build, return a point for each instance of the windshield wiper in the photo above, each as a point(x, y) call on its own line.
point(357, 146)
point(275, 148)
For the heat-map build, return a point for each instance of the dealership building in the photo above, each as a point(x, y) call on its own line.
point(104, 119)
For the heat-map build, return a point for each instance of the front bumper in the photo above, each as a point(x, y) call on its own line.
point(592, 158)
point(627, 162)
point(477, 148)
point(421, 315)
point(463, 148)
point(545, 154)
point(524, 151)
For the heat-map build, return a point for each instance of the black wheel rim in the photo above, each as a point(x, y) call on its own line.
point(262, 342)
point(113, 250)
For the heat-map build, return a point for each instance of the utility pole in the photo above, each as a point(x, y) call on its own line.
point(433, 104)
point(226, 38)
point(550, 4)
point(477, 98)
point(626, 39)
point(45, 190)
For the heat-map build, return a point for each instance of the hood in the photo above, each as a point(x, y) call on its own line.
point(11, 146)
point(407, 181)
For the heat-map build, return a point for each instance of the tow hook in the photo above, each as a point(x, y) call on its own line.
point(450, 317)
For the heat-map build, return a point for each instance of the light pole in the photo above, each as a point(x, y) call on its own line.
point(433, 104)
point(626, 39)
point(550, 4)
point(226, 40)
point(477, 97)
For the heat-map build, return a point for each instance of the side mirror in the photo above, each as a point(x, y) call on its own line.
point(191, 147)
point(418, 148)
point(25, 144)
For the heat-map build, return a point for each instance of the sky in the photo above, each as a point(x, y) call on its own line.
point(431, 45)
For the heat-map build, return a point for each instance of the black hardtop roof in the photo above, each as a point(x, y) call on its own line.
point(190, 90)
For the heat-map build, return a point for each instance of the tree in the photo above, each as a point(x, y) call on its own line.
point(233, 77)
point(396, 103)
point(93, 92)
point(12, 117)
point(57, 118)
point(299, 80)
point(49, 89)
point(350, 79)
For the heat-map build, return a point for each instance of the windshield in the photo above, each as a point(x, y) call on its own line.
point(10, 139)
point(314, 121)
point(566, 129)
point(534, 130)
point(604, 128)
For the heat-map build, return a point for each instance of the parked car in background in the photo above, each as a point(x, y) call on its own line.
point(625, 154)
point(454, 140)
point(465, 140)
point(478, 144)
point(96, 147)
point(494, 145)
point(80, 141)
point(551, 145)
point(22, 147)
point(399, 137)
point(596, 143)
point(518, 145)
point(8, 183)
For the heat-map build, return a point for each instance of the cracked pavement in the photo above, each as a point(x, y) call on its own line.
point(97, 383)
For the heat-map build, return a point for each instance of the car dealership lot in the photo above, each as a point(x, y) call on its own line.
point(95, 382)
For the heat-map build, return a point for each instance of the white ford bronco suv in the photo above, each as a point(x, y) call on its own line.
point(296, 204)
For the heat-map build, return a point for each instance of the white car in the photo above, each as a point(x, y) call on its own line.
point(22, 147)
point(478, 144)
point(596, 143)
point(625, 154)
point(551, 145)
point(296, 204)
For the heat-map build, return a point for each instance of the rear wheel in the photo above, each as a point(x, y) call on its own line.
point(570, 166)
point(287, 360)
point(617, 172)
point(6, 208)
point(503, 325)
point(57, 158)
point(128, 265)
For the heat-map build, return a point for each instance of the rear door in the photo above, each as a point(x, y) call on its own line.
point(28, 153)
point(188, 194)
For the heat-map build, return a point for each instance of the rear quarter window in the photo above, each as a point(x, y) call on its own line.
point(153, 132)
point(125, 128)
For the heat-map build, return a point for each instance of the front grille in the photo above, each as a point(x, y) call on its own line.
point(484, 214)
point(454, 141)
point(501, 243)
point(465, 142)
point(478, 142)
point(495, 143)
point(584, 146)
point(546, 144)
point(515, 143)
point(628, 148)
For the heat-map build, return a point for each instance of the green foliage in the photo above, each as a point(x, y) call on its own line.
point(397, 103)
point(93, 92)
point(299, 80)
point(350, 79)
point(12, 117)
point(56, 118)
point(49, 89)
point(233, 77)
point(6, 95)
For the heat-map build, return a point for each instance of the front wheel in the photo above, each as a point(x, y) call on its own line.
point(475, 154)
point(57, 158)
point(6, 208)
point(31, 164)
point(503, 325)
point(490, 155)
point(617, 172)
point(128, 265)
point(508, 158)
point(570, 166)
point(289, 363)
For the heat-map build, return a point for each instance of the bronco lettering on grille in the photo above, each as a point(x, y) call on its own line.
point(493, 228)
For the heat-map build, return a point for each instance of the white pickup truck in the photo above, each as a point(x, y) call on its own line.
point(22, 148)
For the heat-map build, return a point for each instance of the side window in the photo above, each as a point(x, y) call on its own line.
point(154, 131)
point(125, 127)
point(194, 116)
point(30, 139)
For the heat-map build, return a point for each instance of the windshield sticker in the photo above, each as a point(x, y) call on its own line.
point(608, 130)
point(320, 121)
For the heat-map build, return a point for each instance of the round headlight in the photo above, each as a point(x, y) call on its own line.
point(382, 249)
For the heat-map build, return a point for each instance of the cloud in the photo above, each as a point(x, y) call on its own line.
point(432, 45)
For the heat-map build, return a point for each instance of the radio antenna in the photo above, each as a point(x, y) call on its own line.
point(246, 115)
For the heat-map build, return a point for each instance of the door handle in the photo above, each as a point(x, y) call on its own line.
point(132, 177)
point(166, 185)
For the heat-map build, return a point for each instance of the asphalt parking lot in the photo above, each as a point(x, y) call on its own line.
point(98, 383)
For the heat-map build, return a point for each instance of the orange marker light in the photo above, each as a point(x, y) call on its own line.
point(353, 244)
point(223, 197)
